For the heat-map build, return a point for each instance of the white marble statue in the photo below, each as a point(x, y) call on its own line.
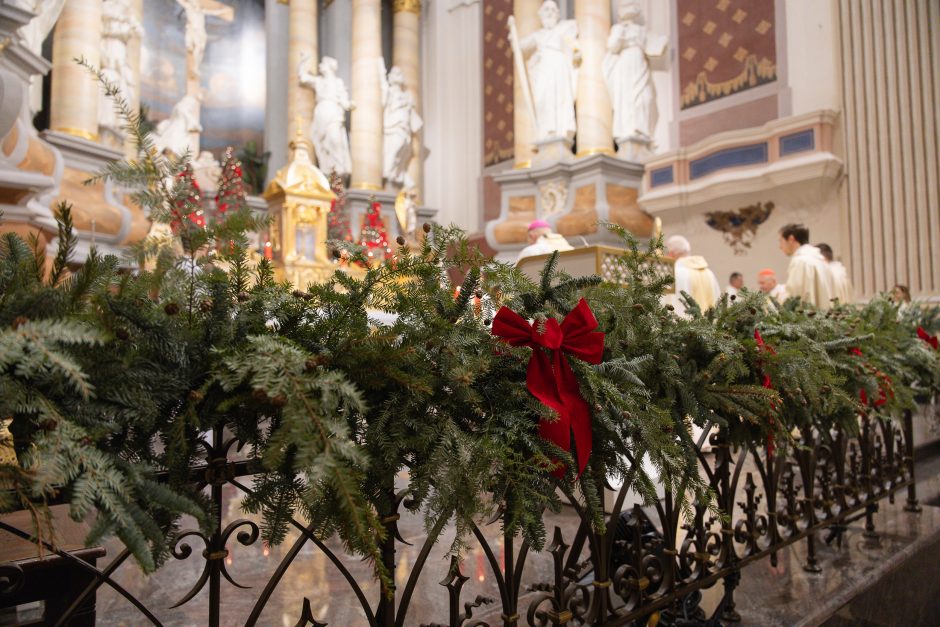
point(118, 27)
point(552, 57)
point(196, 12)
point(33, 34)
point(207, 171)
point(328, 129)
point(176, 133)
point(402, 122)
point(628, 76)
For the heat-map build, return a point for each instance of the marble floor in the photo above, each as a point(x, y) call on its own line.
point(784, 594)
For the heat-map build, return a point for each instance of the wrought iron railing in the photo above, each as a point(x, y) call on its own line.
point(649, 562)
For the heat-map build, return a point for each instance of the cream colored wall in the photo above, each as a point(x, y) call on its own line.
point(812, 55)
point(823, 220)
point(453, 120)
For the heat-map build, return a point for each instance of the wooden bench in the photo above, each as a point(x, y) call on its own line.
point(49, 583)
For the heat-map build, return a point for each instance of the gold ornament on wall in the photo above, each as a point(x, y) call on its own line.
point(739, 227)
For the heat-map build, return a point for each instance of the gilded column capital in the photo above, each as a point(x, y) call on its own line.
point(412, 6)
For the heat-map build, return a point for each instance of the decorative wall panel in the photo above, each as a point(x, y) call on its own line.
point(725, 46)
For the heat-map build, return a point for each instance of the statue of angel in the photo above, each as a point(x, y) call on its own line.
point(401, 122)
point(328, 128)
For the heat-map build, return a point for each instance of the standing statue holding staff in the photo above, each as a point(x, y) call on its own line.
point(547, 62)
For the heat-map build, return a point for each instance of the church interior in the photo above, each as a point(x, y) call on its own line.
point(469, 312)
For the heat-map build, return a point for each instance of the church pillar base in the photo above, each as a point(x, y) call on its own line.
point(574, 197)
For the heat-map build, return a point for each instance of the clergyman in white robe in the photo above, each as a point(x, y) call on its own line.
point(694, 277)
point(842, 287)
point(809, 277)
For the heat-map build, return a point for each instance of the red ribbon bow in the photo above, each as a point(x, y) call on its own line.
point(930, 339)
point(550, 379)
point(761, 345)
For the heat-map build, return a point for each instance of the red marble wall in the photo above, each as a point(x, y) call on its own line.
point(497, 83)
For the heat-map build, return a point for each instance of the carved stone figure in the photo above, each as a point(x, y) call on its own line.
point(207, 171)
point(176, 133)
point(552, 57)
point(118, 27)
point(627, 71)
point(401, 122)
point(196, 12)
point(328, 129)
point(33, 34)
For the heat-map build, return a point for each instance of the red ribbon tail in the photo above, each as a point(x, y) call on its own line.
point(541, 381)
point(578, 410)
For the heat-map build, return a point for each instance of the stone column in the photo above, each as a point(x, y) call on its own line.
point(527, 21)
point(75, 91)
point(302, 41)
point(133, 60)
point(406, 55)
point(593, 101)
point(366, 128)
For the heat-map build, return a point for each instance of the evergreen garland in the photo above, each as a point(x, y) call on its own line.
point(111, 378)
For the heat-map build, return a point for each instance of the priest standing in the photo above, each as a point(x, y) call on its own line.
point(693, 276)
point(808, 276)
point(842, 287)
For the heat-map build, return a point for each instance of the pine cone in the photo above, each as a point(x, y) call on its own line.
point(205, 306)
point(426, 227)
point(400, 240)
point(313, 362)
point(259, 395)
point(279, 401)
point(171, 309)
point(122, 334)
point(19, 321)
point(195, 396)
point(243, 296)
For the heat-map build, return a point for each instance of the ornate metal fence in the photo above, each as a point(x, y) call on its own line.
point(649, 563)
